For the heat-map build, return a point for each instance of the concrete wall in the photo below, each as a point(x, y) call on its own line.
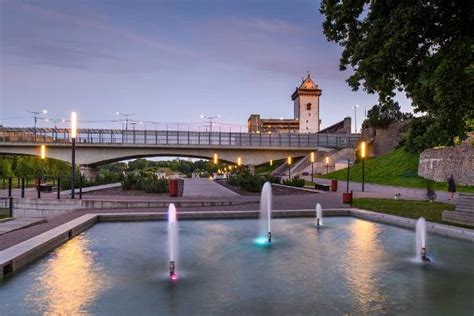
point(438, 164)
point(43, 207)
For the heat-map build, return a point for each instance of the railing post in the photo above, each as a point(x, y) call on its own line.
point(80, 187)
point(220, 138)
point(166, 136)
point(260, 140)
point(188, 137)
point(250, 139)
point(9, 186)
point(144, 135)
point(10, 207)
point(199, 138)
point(279, 137)
point(38, 187)
point(58, 189)
point(240, 139)
point(270, 140)
point(299, 140)
point(22, 187)
point(289, 139)
point(156, 137)
point(210, 140)
point(317, 139)
point(308, 139)
point(177, 137)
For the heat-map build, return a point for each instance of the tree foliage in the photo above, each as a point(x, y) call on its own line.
point(422, 47)
point(382, 115)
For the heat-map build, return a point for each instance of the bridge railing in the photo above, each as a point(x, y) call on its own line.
point(165, 137)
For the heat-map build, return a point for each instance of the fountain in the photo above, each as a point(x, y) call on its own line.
point(265, 214)
point(421, 240)
point(319, 215)
point(172, 240)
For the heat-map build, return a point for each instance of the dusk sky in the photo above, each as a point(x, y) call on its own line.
point(167, 61)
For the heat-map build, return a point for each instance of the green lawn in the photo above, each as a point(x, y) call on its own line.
point(266, 168)
point(397, 168)
point(431, 211)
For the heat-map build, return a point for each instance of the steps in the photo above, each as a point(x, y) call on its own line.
point(464, 213)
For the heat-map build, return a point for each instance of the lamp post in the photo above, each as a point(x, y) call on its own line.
point(73, 157)
point(354, 107)
point(126, 115)
point(43, 157)
point(289, 168)
point(239, 161)
point(327, 164)
point(36, 117)
point(312, 156)
point(215, 159)
point(210, 119)
point(363, 146)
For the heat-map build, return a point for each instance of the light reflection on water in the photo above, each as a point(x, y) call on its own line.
point(71, 280)
point(363, 252)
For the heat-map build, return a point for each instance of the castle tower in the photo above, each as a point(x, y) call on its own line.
point(306, 105)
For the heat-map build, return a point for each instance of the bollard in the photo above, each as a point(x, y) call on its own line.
point(352, 198)
point(22, 187)
point(9, 186)
point(59, 189)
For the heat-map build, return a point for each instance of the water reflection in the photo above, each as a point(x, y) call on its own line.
point(364, 252)
point(71, 281)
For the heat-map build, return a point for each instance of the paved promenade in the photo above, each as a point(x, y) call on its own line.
point(199, 187)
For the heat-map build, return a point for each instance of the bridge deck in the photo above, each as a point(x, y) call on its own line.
point(168, 137)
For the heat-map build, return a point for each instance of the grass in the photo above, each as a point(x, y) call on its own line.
point(431, 211)
point(266, 168)
point(397, 168)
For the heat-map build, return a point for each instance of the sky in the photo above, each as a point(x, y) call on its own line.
point(167, 61)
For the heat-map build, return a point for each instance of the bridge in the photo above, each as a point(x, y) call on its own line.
point(95, 147)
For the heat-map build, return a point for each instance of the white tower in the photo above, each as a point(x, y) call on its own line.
point(306, 105)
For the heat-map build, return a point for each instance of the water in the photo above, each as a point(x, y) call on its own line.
point(319, 215)
point(172, 241)
point(265, 214)
point(351, 267)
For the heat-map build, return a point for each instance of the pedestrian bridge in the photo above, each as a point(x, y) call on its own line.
point(95, 147)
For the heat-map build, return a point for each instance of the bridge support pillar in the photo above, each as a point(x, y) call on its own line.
point(89, 173)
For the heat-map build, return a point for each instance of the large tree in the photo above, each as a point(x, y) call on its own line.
point(422, 47)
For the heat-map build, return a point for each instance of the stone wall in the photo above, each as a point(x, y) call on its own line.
point(383, 140)
point(437, 164)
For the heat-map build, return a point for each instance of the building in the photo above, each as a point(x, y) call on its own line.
point(306, 113)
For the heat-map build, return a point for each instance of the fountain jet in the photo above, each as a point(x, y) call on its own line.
point(266, 211)
point(172, 240)
point(421, 254)
point(319, 215)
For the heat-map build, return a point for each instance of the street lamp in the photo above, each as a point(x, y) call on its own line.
point(126, 115)
point(271, 162)
point(354, 107)
point(210, 119)
point(36, 117)
point(312, 158)
point(215, 160)
point(239, 161)
point(289, 168)
point(363, 146)
point(43, 157)
point(73, 157)
point(327, 164)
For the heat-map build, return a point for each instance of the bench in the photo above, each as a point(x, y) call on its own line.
point(322, 187)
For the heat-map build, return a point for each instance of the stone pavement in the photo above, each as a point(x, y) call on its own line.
point(200, 187)
point(19, 223)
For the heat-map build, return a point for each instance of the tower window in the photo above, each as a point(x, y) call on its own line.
point(308, 106)
point(306, 121)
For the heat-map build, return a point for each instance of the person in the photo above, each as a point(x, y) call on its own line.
point(451, 187)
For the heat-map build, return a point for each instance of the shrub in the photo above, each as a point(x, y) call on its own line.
point(295, 182)
point(147, 182)
point(251, 183)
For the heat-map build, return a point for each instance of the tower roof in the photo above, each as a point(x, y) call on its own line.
point(307, 87)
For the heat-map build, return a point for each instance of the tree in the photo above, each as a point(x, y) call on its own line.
point(5, 168)
point(382, 115)
point(423, 47)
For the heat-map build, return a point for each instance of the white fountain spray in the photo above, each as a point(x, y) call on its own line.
point(266, 212)
point(319, 215)
point(421, 240)
point(172, 240)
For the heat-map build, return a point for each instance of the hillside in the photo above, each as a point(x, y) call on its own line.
point(397, 168)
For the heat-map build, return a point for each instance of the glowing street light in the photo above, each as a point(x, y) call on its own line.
point(239, 161)
point(289, 161)
point(43, 157)
point(215, 160)
point(271, 162)
point(327, 164)
point(312, 159)
point(363, 150)
point(73, 156)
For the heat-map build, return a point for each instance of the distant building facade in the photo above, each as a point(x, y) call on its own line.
point(306, 113)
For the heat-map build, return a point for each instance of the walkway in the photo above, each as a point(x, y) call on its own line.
point(19, 223)
point(203, 187)
point(384, 191)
